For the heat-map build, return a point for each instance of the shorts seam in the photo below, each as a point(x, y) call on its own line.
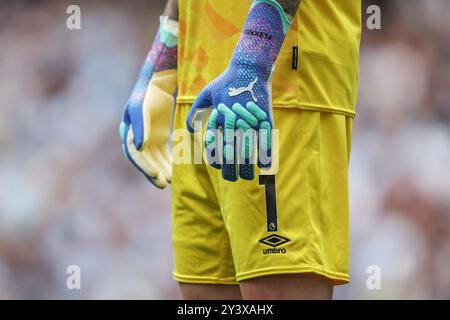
point(307, 168)
point(338, 278)
point(222, 247)
point(206, 280)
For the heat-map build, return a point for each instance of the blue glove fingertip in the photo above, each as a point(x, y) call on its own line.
point(122, 130)
point(246, 171)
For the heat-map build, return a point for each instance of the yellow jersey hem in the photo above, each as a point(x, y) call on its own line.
point(313, 107)
point(303, 106)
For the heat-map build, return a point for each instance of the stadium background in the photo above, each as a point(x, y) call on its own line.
point(68, 197)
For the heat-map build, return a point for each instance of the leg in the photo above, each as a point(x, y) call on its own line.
point(203, 263)
point(288, 287)
point(210, 292)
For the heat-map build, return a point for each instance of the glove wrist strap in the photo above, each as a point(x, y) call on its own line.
point(263, 35)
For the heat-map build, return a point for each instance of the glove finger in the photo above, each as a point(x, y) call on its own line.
point(264, 135)
point(229, 171)
point(159, 181)
point(246, 153)
point(163, 161)
point(140, 159)
point(123, 129)
point(136, 119)
point(248, 119)
point(152, 164)
point(212, 140)
point(167, 155)
point(265, 145)
point(124, 126)
point(203, 101)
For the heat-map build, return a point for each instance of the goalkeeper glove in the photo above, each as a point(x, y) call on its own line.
point(146, 123)
point(241, 96)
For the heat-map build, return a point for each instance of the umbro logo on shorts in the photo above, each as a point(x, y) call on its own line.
point(274, 241)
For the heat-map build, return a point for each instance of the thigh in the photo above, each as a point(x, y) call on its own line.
point(287, 287)
point(191, 291)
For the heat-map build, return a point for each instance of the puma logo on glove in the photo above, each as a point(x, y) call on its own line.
point(235, 92)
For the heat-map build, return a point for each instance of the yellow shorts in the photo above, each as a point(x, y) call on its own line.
point(223, 231)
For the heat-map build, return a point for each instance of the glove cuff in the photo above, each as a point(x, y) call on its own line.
point(263, 35)
point(168, 31)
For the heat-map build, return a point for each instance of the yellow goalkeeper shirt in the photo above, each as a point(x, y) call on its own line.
point(318, 65)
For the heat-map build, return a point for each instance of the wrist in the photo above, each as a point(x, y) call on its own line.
point(261, 40)
point(164, 52)
point(253, 67)
point(168, 31)
point(161, 57)
point(286, 19)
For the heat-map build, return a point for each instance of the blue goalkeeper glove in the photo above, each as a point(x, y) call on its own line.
point(146, 124)
point(241, 96)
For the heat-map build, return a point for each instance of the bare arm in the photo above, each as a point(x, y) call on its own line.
point(290, 6)
point(171, 9)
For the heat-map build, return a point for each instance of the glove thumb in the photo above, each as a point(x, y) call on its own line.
point(132, 120)
point(201, 104)
point(136, 119)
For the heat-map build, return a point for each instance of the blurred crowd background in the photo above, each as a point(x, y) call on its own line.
point(68, 196)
